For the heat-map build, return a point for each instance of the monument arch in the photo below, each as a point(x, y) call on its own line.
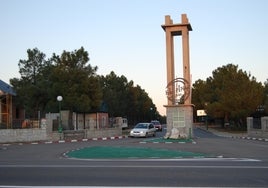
point(179, 108)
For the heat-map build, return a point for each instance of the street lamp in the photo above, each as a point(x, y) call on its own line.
point(59, 99)
point(151, 113)
point(206, 104)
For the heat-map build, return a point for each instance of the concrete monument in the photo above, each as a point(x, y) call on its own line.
point(179, 109)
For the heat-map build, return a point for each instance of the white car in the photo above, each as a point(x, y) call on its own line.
point(143, 130)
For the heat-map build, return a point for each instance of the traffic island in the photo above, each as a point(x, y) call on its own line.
point(106, 152)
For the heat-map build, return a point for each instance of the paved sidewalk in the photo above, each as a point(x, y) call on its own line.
point(227, 134)
point(223, 133)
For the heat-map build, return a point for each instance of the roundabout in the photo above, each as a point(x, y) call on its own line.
point(108, 152)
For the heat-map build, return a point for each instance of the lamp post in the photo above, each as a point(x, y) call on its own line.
point(59, 99)
point(206, 104)
point(151, 113)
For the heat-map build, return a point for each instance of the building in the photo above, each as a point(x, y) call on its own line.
point(7, 108)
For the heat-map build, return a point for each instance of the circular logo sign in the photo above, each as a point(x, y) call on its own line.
point(178, 90)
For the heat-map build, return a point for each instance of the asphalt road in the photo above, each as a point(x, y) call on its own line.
point(237, 163)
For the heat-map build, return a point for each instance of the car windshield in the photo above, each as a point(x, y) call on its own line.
point(141, 126)
point(156, 122)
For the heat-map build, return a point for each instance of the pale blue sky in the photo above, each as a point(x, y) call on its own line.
point(125, 36)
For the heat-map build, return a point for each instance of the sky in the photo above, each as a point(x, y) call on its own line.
point(125, 36)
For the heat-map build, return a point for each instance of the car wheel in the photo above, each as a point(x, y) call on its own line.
point(146, 135)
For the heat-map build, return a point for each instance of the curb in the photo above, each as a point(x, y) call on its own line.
point(235, 137)
point(144, 142)
point(65, 141)
point(89, 139)
point(249, 138)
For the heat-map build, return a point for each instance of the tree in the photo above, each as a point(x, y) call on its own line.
point(230, 94)
point(68, 75)
point(200, 94)
point(32, 87)
point(141, 107)
point(71, 76)
point(265, 100)
point(76, 80)
point(124, 99)
point(114, 90)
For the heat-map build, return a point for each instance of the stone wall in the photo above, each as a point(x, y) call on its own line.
point(46, 133)
point(102, 133)
point(261, 132)
point(74, 134)
point(22, 135)
point(35, 134)
point(179, 121)
point(86, 134)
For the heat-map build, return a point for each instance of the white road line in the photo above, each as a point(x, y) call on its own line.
point(8, 186)
point(218, 159)
point(137, 166)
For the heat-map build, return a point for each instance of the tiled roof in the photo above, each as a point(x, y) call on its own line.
point(4, 87)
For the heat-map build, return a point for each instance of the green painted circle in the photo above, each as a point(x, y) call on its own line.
point(107, 152)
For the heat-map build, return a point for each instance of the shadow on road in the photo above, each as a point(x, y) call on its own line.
point(201, 133)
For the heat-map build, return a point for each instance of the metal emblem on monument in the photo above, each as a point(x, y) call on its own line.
point(181, 91)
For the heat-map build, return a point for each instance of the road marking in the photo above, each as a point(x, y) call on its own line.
point(11, 186)
point(137, 166)
point(223, 166)
point(132, 159)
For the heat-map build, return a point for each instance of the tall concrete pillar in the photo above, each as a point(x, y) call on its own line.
point(186, 59)
point(171, 31)
point(179, 107)
point(170, 59)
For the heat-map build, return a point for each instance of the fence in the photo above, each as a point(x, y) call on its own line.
point(47, 129)
point(21, 124)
